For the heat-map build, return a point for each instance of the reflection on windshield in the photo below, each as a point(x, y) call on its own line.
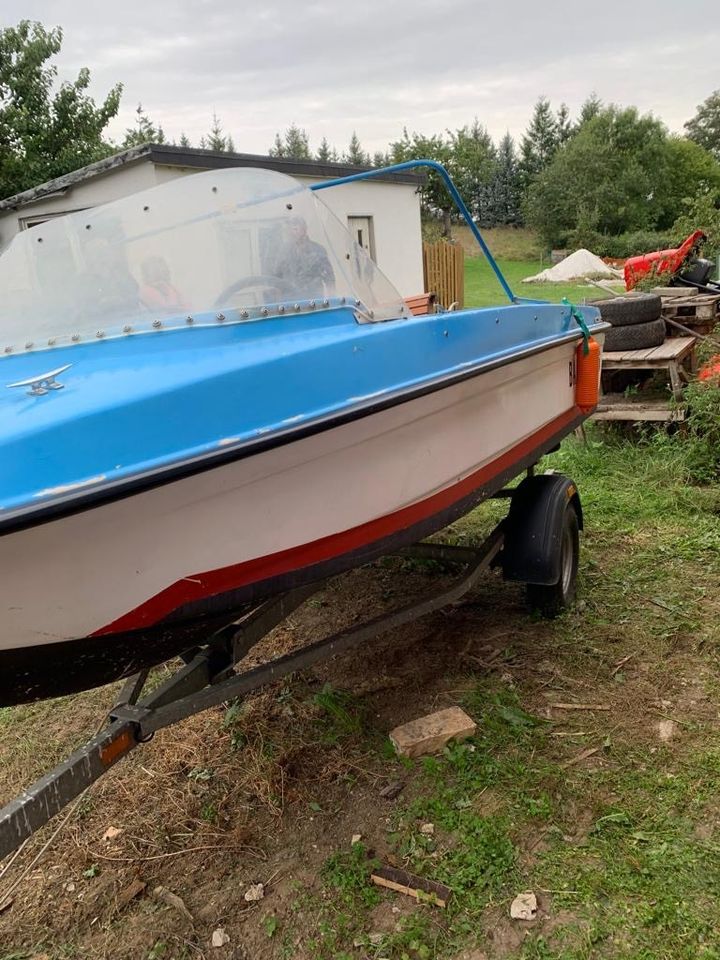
point(231, 240)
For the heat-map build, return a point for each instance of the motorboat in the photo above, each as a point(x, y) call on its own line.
point(210, 394)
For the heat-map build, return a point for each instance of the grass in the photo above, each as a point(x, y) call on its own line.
point(483, 289)
point(615, 829)
point(623, 845)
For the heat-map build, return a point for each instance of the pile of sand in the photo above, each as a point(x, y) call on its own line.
point(577, 266)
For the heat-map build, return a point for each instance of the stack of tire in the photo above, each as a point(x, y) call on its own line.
point(636, 321)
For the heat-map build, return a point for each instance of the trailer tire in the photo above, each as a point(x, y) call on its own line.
point(551, 599)
point(638, 337)
point(630, 310)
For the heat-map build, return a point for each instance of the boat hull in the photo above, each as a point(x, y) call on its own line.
point(97, 594)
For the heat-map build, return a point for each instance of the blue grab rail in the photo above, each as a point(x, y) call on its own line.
point(452, 190)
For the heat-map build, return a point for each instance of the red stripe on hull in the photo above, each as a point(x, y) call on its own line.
point(199, 586)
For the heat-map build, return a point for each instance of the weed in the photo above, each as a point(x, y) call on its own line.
point(336, 707)
point(348, 873)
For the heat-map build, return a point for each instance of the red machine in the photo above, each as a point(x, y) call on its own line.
point(663, 262)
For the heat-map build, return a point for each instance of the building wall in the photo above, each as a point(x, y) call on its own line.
point(394, 208)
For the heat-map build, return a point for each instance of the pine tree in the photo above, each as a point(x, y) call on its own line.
point(184, 141)
point(278, 147)
point(355, 154)
point(591, 108)
point(324, 153)
point(144, 131)
point(216, 140)
point(506, 191)
point(380, 159)
point(297, 143)
point(230, 145)
point(564, 126)
point(540, 142)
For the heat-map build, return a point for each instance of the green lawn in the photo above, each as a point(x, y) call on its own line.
point(482, 288)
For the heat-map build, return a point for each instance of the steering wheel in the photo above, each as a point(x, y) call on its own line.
point(280, 284)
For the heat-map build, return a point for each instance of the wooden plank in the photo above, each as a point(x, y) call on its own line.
point(672, 292)
point(401, 881)
point(674, 348)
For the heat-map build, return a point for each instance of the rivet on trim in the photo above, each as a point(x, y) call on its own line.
point(100, 334)
point(220, 317)
point(281, 309)
point(312, 304)
point(189, 320)
point(127, 328)
point(157, 324)
point(75, 337)
point(8, 349)
point(29, 345)
point(52, 341)
point(296, 308)
point(264, 311)
point(244, 315)
point(326, 302)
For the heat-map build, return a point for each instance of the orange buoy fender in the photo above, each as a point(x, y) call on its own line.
point(587, 384)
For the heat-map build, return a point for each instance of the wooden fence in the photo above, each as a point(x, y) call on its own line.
point(444, 272)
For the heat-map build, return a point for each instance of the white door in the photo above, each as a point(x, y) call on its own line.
point(361, 230)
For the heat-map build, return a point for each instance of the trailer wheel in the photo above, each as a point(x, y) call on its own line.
point(550, 600)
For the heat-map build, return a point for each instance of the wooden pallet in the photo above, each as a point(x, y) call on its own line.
point(676, 356)
point(617, 406)
point(697, 307)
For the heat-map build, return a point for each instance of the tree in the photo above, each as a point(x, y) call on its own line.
point(184, 141)
point(216, 139)
point(326, 153)
point(505, 188)
point(295, 144)
point(380, 159)
point(472, 164)
point(620, 172)
point(564, 126)
point(591, 108)
point(540, 142)
point(355, 153)
point(704, 128)
point(435, 200)
point(45, 132)
point(701, 212)
point(144, 131)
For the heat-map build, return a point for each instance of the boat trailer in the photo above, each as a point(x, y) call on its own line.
point(208, 677)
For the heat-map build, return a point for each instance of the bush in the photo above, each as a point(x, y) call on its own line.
point(620, 246)
point(701, 212)
point(703, 430)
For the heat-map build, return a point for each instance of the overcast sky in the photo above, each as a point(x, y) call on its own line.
point(379, 65)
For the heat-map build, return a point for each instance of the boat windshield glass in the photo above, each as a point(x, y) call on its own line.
point(224, 246)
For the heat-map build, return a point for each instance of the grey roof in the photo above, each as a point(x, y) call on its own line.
point(174, 156)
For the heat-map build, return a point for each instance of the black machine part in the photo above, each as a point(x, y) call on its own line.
point(535, 529)
point(697, 274)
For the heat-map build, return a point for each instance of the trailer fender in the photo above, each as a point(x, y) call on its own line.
point(534, 527)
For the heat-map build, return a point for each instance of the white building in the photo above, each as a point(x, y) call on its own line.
point(383, 214)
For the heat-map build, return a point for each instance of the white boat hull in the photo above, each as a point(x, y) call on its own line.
point(129, 563)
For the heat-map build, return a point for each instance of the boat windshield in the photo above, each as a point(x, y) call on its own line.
point(223, 246)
